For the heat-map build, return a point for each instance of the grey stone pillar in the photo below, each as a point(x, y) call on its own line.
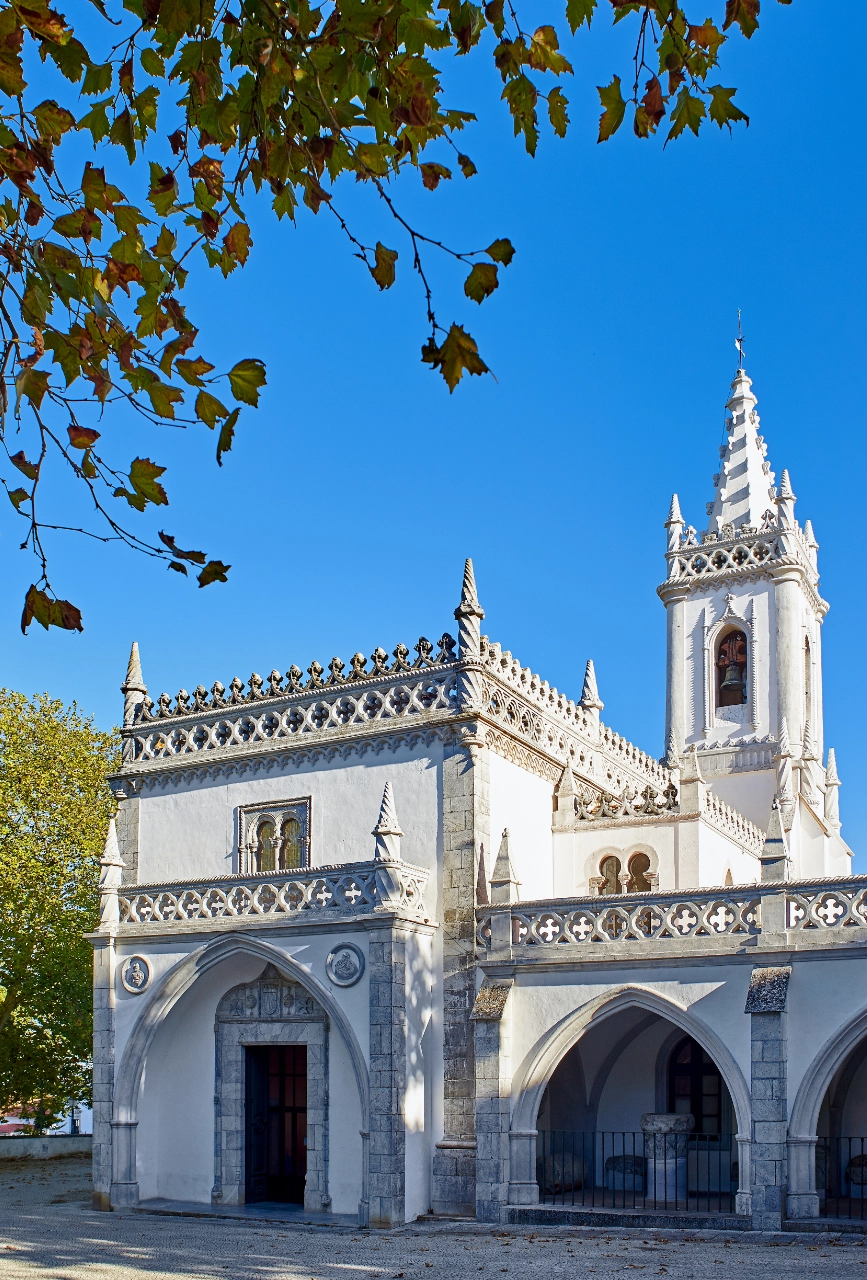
point(466, 822)
point(766, 1004)
point(493, 1098)
point(387, 1157)
point(103, 1067)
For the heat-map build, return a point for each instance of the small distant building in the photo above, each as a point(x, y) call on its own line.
point(421, 933)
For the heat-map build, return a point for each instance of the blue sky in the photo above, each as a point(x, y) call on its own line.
point(354, 493)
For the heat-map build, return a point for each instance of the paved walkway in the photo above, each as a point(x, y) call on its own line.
point(47, 1232)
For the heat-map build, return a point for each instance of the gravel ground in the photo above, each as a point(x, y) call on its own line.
point(46, 1231)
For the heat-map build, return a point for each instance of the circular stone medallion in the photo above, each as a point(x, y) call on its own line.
point(345, 965)
point(135, 974)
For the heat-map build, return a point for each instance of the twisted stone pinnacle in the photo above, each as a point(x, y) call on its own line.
point(674, 516)
point(590, 699)
point(134, 682)
point(111, 853)
point(388, 824)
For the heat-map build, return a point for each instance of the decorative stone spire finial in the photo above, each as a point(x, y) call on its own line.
point(134, 689)
point(672, 755)
point(590, 699)
point(693, 788)
point(808, 750)
point(469, 614)
point(387, 830)
point(674, 524)
point(785, 501)
point(111, 867)
point(775, 853)
point(809, 535)
point(784, 748)
point(832, 791)
point(504, 882)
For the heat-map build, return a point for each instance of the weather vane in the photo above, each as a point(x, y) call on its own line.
point(739, 342)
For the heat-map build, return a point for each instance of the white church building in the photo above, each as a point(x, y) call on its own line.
point(421, 934)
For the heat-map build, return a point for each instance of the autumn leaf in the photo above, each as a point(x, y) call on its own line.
point(743, 12)
point(557, 114)
point(82, 437)
point(214, 571)
point(197, 557)
point(501, 251)
point(39, 606)
point(32, 384)
point(706, 36)
point(481, 282)
point(468, 169)
point(722, 110)
point(457, 355)
point(237, 242)
point(143, 475)
point(29, 469)
point(192, 371)
point(578, 12)
point(53, 121)
point(614, 109)
point(245, 380)
point(209, 409)
point(431, 174)
point(689, 111)
point(226, 436)
point(17, 496)
point(544, 52)
point(383, 271)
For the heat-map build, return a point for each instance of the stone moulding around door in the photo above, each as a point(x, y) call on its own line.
point(269, 1010)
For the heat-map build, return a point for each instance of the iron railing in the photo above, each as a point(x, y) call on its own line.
point(632, 1170)
point(841, 1177)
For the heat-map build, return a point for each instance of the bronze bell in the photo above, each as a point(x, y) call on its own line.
point(733, 678)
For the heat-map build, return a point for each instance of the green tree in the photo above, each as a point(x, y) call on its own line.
point(54, 810)
point(221, 99)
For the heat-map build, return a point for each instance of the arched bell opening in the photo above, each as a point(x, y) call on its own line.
point(731, 669)
point(637, 1115)
point(841, 1140)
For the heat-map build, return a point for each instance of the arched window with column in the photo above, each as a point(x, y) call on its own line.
point(731, 669)
point(609, 873)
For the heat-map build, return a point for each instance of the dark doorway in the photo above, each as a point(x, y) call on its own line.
point(276, 1122)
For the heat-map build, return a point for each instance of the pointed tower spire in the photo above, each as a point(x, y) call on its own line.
point(387, 830)
point(808, 750)
point(775, 853)
point(504, 882)
point(832, 791)
point(469, 615)
point(744, 483)
point(111, 866)
point(134, 689)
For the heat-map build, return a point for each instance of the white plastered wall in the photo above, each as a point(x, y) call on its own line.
point(523, 802)
point(424, 1075)
point(189, 830)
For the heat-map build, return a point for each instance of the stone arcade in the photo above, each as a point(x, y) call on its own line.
point(423, 934)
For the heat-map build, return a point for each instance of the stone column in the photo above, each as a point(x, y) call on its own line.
point(466, 826)
point(787, 595)
point(766, 1004)
point(388, 1032)
point(675, 673)
point(103, 1067)
point(492, 1022)
point(802, 1200)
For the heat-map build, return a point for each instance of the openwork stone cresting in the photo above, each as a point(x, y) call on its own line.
point(350, 889)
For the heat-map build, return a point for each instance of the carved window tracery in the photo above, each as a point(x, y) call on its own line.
point(274, 837)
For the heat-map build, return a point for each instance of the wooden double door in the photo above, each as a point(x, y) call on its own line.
point(276, 1122)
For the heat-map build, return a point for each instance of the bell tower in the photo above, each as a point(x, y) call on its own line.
point(743, 671)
